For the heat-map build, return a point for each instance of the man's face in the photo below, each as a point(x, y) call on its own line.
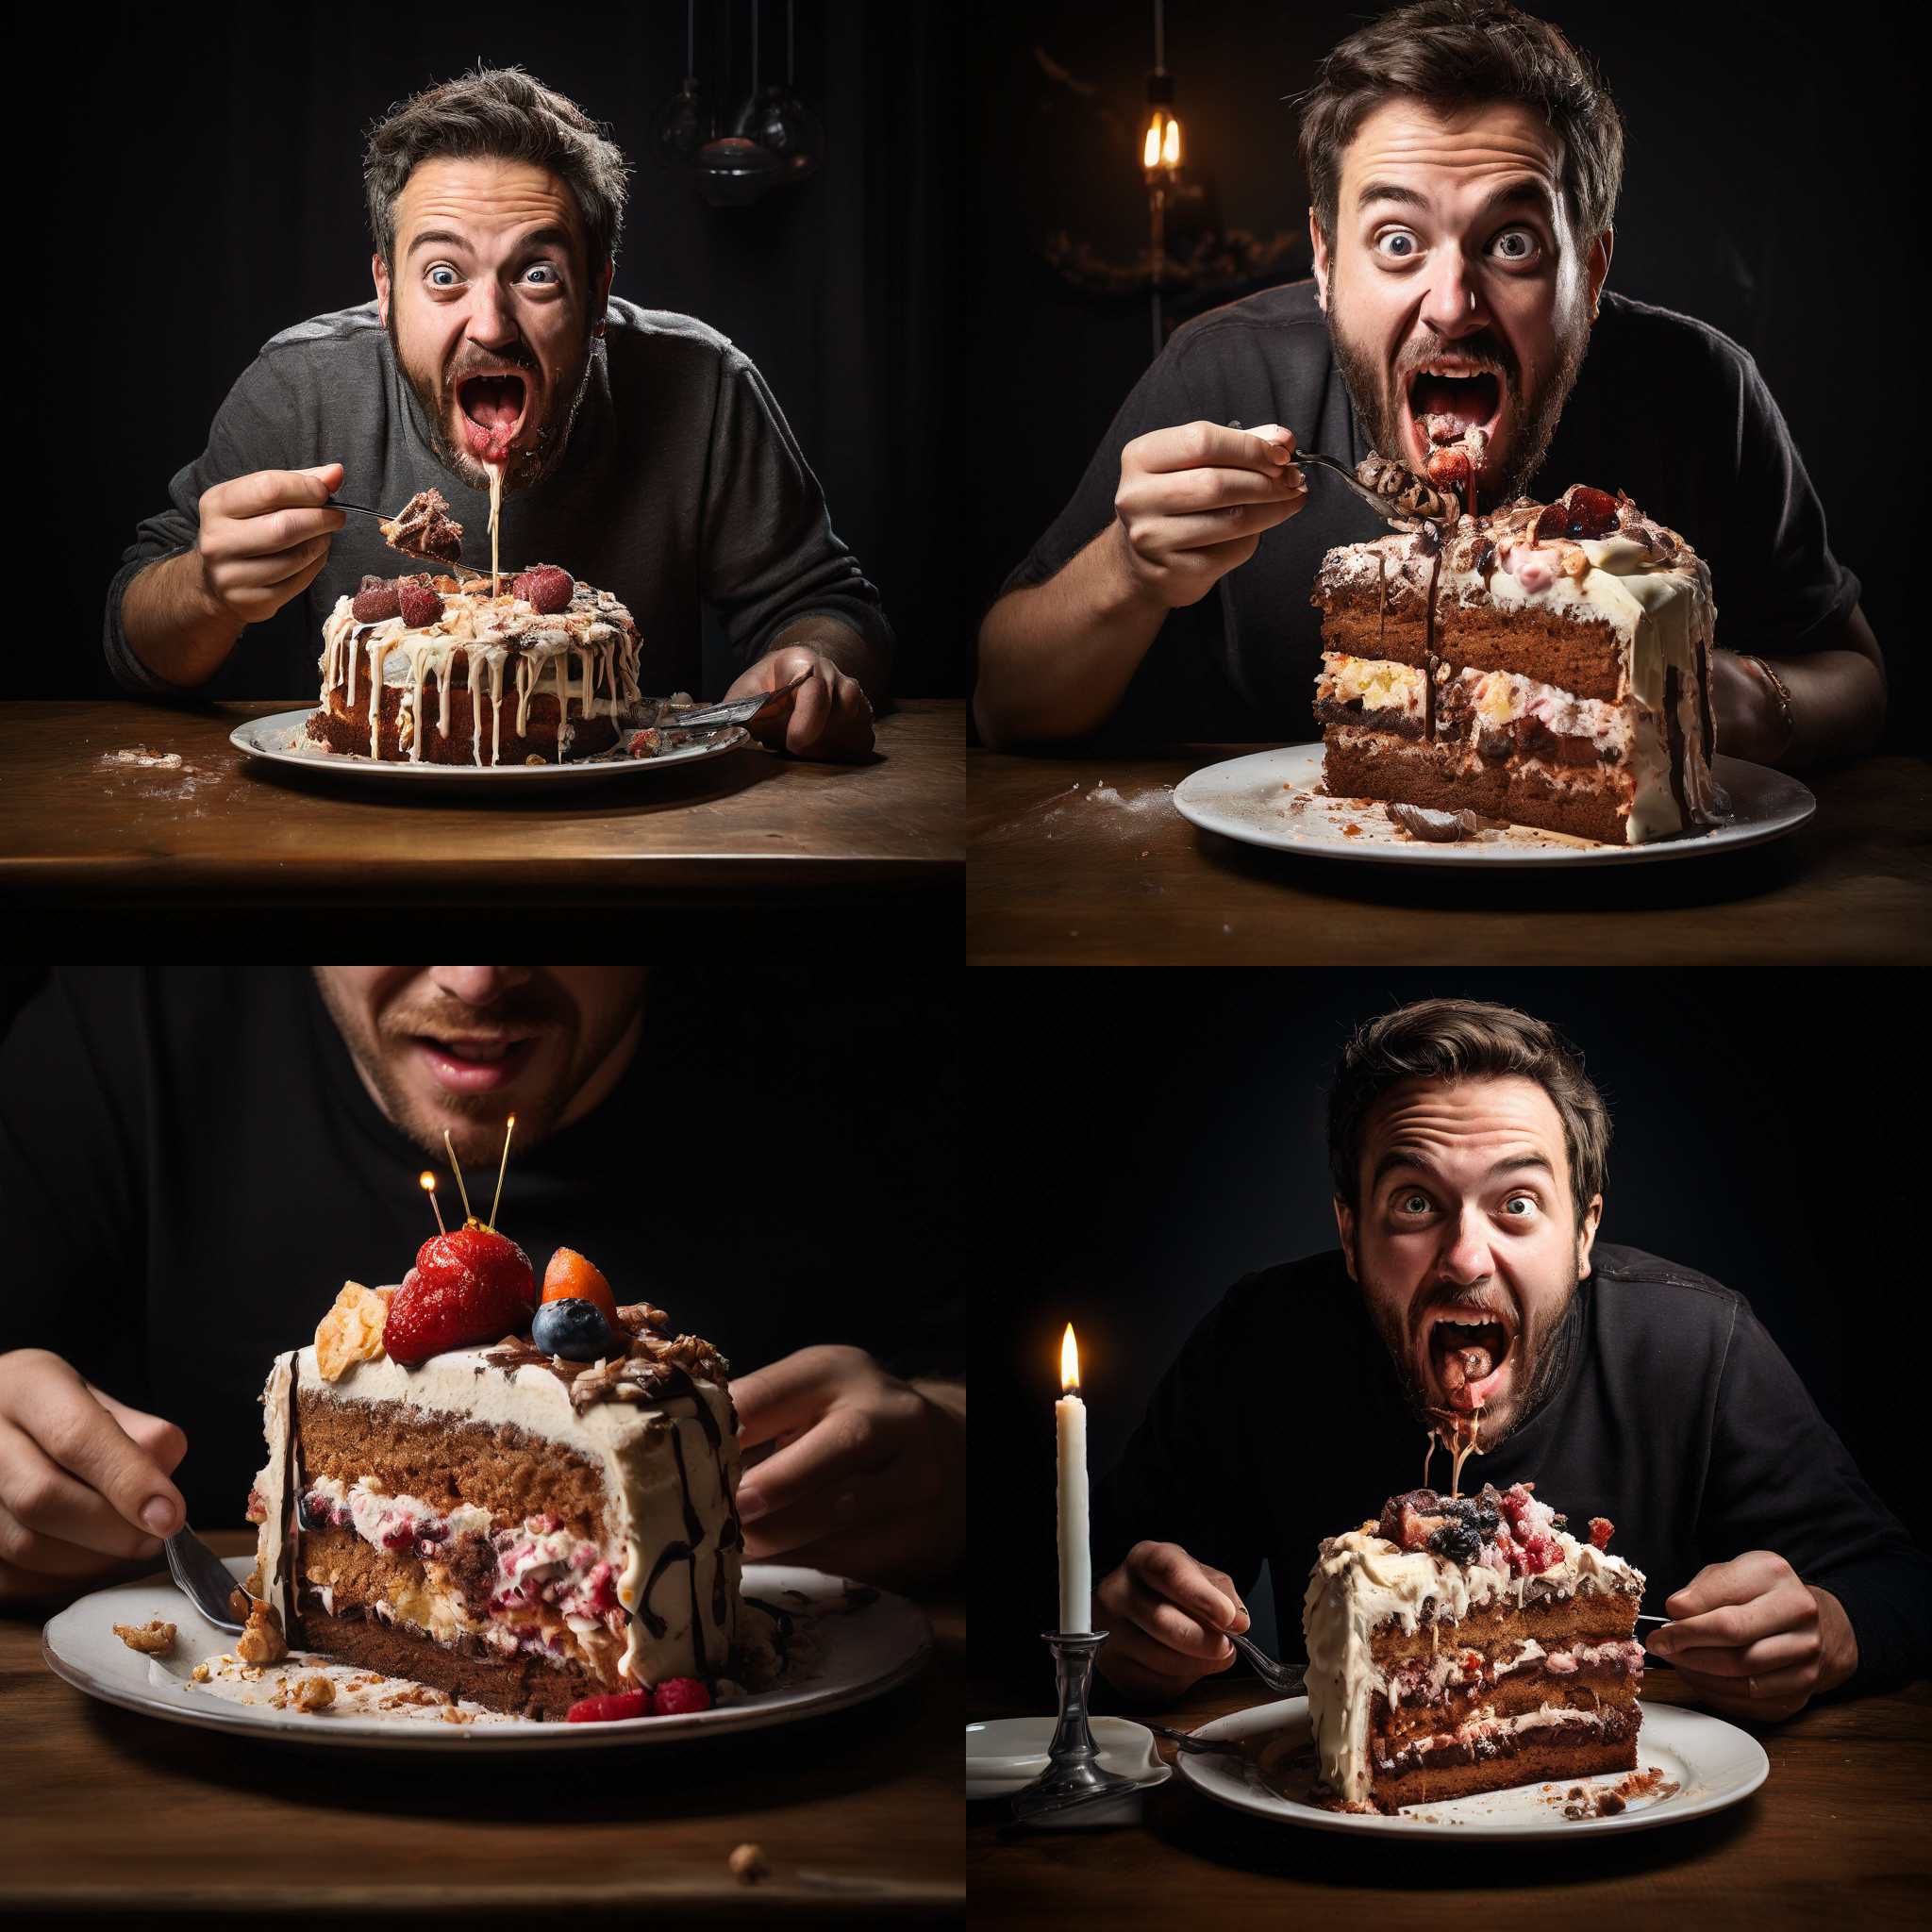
point(1465, 1213)
point(1453, 249)
point(491, 312)
point(463, 1047)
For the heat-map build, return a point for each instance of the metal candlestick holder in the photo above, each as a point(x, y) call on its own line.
point(1073, 1774)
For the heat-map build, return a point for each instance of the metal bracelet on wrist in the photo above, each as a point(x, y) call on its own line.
point(1783, 695)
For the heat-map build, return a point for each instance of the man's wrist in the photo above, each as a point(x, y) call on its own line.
point(1124, 592)
point(1839, 1642)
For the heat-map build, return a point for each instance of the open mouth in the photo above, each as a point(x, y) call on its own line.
point(493, 409)
point(1468, 399)
point(1469, 1356)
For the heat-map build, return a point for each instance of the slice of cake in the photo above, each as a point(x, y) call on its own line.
point(529, 1505)
point(1547, 664)
point(424, 528)
point(1462, 1644)
point(430, 668)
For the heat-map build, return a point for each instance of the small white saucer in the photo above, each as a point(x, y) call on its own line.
point(1008, 1752)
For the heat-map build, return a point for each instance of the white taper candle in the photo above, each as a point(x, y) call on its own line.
point(1076, 1556)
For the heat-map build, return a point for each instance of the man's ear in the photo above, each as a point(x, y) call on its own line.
point(379, 276)
point(1345, 1227)
point(1586, 1235)
point(1320, 249)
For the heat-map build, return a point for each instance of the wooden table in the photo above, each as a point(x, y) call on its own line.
point(110, 1811)
point(751, 829)
point(1835, 1836)
point(1054, 878)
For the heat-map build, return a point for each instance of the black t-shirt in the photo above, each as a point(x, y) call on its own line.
point(190, 1168)
point(1671, 1411)
point(1666, 408)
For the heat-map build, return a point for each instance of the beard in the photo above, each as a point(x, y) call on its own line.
point(1381, 397)
point(529, 464)
point(1537, 1351)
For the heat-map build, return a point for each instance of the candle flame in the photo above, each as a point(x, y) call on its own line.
point(1070, 1362)
point(1171, 145)
point(1150, 148)
point(427, 1181)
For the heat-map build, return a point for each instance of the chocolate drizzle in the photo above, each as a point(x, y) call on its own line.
point(678, 1383)
point(1429, 643)
point(281, 1596)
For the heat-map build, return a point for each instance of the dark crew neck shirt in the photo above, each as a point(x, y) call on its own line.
point(190, 1168)
point(682, 491)
point(1671, 1411)
point(1666, 408)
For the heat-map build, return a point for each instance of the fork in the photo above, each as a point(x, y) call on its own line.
point(203, 1577)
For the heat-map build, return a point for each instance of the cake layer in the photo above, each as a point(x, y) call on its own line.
point(1595, 802)
point(1502, 1626)
point(1582, 656)
point(1490, 1756)
point(1605, 1678)
point(470, 729)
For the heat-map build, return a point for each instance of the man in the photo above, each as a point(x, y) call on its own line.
point(1469, 1155)
point(640, 449)
point(1464, 166)
point(192, 1162)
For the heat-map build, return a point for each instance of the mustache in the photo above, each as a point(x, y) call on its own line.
point(1489, 351)
point(525, 1010)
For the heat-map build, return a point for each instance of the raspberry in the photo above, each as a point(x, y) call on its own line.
point(421, 607)
point(601, 1588)
point(547, 589)
point(1540, 1553)
point(678, 1697)
point(375, 601)
point(470, 1286)
point(602, 1711)
point(1601, 1530)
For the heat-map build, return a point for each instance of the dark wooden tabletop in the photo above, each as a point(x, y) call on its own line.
point(751, 826)
point(1054, 875)
point(109, 1811)
point(1835, 1836)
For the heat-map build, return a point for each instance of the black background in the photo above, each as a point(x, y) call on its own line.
point(1152, 1137)
point(1764, 193)
point(205, 191)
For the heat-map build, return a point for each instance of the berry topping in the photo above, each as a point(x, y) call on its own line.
point(420, 605)
point(470, 1286)
point(571, 1278)
point(1601, 1530)
point(602, 1711)
point(546, 589)
point(678, 1696)
point(375, 601)
point(574, 1330)
point(1538, 1552)
point(1580, 512)
point(1450, 469)
point(1458, 1542)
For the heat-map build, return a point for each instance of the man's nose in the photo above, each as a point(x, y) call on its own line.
point(1466, 1260)
point(1453, 304)
point(491, 324)
point(478, 986)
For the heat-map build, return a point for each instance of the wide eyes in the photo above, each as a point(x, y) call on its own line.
point(1414, 1204)
point(1516, 246)
point(546, 269)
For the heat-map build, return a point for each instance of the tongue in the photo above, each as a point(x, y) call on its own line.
point(491, 409)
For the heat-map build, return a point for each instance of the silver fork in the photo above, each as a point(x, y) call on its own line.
point(203, 1577)
point(1401, 520)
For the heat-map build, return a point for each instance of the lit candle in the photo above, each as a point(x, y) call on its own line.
point(1076, 1557)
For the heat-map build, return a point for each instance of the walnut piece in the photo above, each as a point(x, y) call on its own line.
point(262, 1642)
point(315, 1693)
point(351, 1332)
point(151, 1639)
point(200, 1673)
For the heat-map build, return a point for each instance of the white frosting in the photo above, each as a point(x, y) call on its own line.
point(632, 1442)
point(1361, 1582)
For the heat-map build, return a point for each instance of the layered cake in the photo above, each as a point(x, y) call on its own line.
point(528, 1504)
point(1547, 664)
point(1462, 1644)
point(424, 527)
point(433, 667)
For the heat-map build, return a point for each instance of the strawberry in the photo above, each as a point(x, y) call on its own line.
point(376, 600)
point(1601, 1530)
point(602, 1711)
point(569, 1277)
point(678, 1697)
point(471, 1286)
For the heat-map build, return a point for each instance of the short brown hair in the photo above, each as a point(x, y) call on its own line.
point(1452, 53)
point(497, 114)
point(1466, 1040)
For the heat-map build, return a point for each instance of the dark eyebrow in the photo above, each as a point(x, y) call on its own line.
point(551, 236)
point(1409, 1157)
point(1523, 194)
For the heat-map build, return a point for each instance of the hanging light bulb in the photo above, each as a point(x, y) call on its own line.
point(738, 168)
point(682, 125)
point(775, 117)
point(1161, 149)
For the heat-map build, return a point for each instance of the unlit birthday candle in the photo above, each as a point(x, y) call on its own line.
point(1076, 1556)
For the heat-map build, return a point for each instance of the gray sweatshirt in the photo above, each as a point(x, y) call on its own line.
point(682, 491)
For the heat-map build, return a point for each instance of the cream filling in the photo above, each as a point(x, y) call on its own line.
point(1378, 683)
point(1403, 1686)
point(1484, 1724)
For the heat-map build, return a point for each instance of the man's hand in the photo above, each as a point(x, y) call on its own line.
point(828, 717)
point(1751, 1640)
point(1193, 501)
point(83, 1478)
point(867, 1475)
point(264, 539)
point(1164, 1614)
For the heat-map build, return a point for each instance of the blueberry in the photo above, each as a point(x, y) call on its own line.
point(573, 1328)
point(1458, 1542)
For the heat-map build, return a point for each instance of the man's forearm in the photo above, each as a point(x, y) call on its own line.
point(856, 654)
point(1054, 659)
point(170, 624)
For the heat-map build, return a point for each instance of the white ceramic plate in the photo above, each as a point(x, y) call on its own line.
point(282, 738)
point(1274, 798)
point(1713, 1764)
point(1007, 1753)
point(856, 1654)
